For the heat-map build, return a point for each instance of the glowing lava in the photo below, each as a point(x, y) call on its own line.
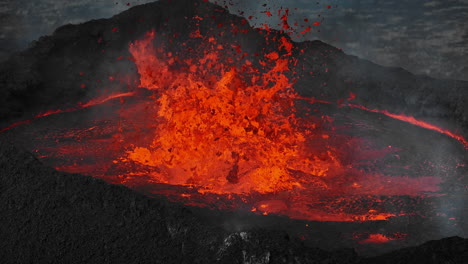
point(93, 102)
point(221, 131)
point(414, 121)
point(218, 127)
point(381, 238)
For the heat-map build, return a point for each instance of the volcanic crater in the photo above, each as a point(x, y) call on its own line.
point(236, 143)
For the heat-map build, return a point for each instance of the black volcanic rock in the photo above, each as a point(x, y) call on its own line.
point(52, 217)
point(47, 75)
point(448, 250)
point(394, 89)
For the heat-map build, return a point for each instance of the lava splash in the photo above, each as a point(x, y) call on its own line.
point(223, 128)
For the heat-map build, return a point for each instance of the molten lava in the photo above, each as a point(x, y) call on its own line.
point(381, 238)
point(221, 131)
point(219, 127)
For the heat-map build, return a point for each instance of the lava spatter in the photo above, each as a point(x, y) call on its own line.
point(224, 128)
point(211, 125)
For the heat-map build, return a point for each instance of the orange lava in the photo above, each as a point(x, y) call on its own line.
point(226, 125)
point(221, 131)
point(216, 127)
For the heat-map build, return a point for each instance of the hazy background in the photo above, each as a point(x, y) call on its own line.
point(422, 36)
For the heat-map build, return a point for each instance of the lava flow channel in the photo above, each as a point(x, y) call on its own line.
point(414, 121)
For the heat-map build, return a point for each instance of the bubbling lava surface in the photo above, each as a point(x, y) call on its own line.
point(221, 128)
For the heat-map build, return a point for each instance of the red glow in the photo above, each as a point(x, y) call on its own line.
point(80, 106)
point(15, 125)
point(284, 19)
point(381, 239)
point(414, 121)
point(102, 100)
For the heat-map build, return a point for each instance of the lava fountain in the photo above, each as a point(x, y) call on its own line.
point(209, 122)
point(224, 129)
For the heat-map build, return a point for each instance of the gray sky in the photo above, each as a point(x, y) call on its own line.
point(423, 36)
